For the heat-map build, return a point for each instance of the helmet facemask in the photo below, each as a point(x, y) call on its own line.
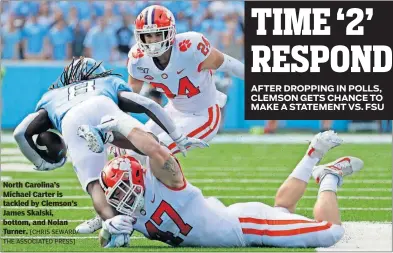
point(157, 48)
point(125, 196)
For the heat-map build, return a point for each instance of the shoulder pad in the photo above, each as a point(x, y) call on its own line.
point(135, 54)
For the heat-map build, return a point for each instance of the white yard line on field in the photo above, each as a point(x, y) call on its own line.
point(61, 237)
point(230, 188)
point(247, 181)
point(213, 181)
point(91, 208)
point(5, 178)
point(10, 151)
point(14, 159)
point(210, 169)
point(225, 197)
point(267, 169)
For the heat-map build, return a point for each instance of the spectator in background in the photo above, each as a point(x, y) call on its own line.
point(59, 40)
point(213, 29)
point(182, 23)
point(22, 9)
point(124, 38)
point(73, 17)
point(100, 42)
point(196, 14)
point(34, 35)
point(10, 36)
point(5, 12)
point(45, 17)
point(85, 9)
point(79, 35)
point(113, 22)
point(233, 35)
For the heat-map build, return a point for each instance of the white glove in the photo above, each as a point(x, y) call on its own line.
point(47, 166)
point(120, 224)
point(119, 240)
point(183, 142)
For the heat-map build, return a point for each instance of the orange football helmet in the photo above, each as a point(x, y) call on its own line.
point(122, 181)
point(155, 19)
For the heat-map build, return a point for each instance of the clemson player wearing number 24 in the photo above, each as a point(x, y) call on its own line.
point(179, 65)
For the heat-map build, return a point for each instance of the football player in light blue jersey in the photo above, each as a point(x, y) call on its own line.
point(84, 94)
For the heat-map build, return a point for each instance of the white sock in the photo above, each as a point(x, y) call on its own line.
point(304, 168)
point(329, 183)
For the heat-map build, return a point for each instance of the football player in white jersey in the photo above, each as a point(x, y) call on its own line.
point(153, 197)
point(179, 65)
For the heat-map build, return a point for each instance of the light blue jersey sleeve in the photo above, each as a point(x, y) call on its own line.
point(58, 102)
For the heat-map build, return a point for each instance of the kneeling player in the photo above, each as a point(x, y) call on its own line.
point(155, 199)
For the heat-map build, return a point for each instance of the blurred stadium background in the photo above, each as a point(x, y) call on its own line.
point(39, 37)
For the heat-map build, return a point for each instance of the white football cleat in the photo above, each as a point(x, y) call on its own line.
point(93, 137)
point(322, 143)
point(89, 226)
point(342, 167)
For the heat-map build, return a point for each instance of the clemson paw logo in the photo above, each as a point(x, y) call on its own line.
point(137, 54)
point(184, 45)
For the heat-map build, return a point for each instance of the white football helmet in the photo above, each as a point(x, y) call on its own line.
point(155, 19)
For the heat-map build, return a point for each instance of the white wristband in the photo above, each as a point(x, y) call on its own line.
point(175, 135)
point(124, 124)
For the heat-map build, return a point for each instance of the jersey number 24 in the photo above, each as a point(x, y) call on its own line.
point(186, 88)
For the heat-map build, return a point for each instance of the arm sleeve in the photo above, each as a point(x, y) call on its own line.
point(34, 123)
point(232, 66)
point(133, 102)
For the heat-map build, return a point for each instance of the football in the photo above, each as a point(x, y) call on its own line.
point(51, 146)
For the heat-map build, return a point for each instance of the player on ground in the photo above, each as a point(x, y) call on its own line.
point(155, 199)
point(84, 93)
point(179, 65)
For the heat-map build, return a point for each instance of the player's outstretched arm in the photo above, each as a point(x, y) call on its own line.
point(162, 163)
point(223, 62)
point(34, 123)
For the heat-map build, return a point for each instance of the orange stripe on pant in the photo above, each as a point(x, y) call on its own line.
point(274, 222)
point(289, 232)
point(204, 126)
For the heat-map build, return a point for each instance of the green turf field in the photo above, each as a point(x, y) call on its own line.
point(233, 173)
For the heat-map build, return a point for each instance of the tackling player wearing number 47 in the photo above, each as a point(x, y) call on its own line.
point(154, 198)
